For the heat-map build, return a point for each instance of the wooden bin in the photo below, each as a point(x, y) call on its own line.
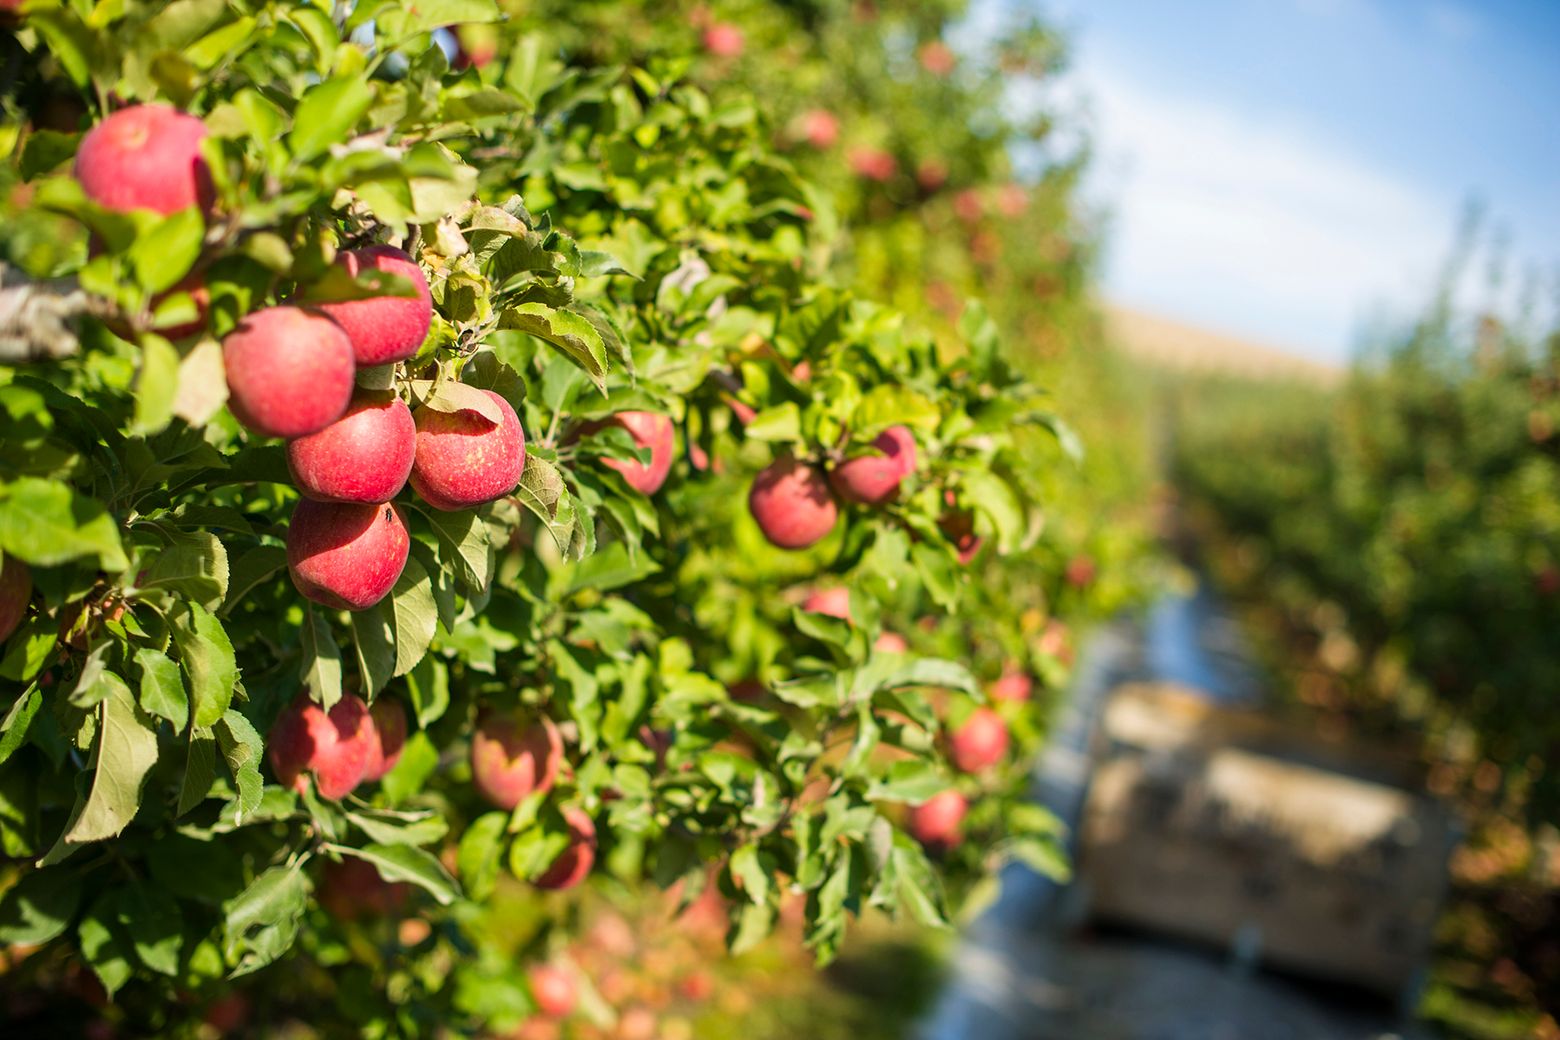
point(1218, 824)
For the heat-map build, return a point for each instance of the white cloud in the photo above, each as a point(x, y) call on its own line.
point(1249, 222)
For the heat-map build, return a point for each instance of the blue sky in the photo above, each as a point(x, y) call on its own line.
point(1291, 169)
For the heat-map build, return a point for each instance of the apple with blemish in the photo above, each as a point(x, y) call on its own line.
point(334, 746)
point(872, 479)
point(980, 742)
point(145, 157)
point(463, 458)
point(365, 456)
point(346, 555)
point(383, 329)
point(575, 861)
point(510, 760)
point(792, 504)
point(289, 371)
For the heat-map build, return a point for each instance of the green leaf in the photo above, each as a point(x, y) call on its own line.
point(428, 685)
point(480, 858)
point(406, 863)
point(47, 523)
point(395, 633)
point(126, 752)
point(200, 768)
point(781, 423)
point(991, 495)
point(569, 332)
point(888, 405)
point(250, 569)
point(463, 537)
point(156, 386)
point(202, 384)
point(320, 666)
point(920, 888)
point(747, 869)
point(1044, 857)
point(209, 663)
point(40, 906)
point(262, 921)
point(31, 648)
point(194, 565)
point(327, 114)
point(150, 916)
point(427, 15)
point(242, 749)
point(422, 828)
point(164, 254)
point(101, 945)
point(911, 781)
point(162, 688)
point(13, 730)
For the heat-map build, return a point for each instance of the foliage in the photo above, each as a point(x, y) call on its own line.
point(1399, 539)
point(599, 236)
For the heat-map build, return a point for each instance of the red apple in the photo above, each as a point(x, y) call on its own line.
point(833, 601)
point(228, 1013)
point(365, 456)
point(891, 643)
point(959, 528)
point(463, 459)
point(194, 285)
point(931, 174)
point(574, 862)
point(384, 329)
point(289, 371)
point(16, 587)
point(1080, 571)
point(638, 1023)
point(345, 554)
point(1012, 200)
point(980, 742)
point(697, 986)
point(554, 989)
point(792, 504)
point(821, 128)
point(723, 40)
point(145, 157)
point(936, 57)
point(936, 821)
point(509, 760)
point(335, 747)
point(651, 430)
point(387, 737)
point(871, 480)
point(873, 164)
point(354, 889)
point(1014, 685)
point(967, 206)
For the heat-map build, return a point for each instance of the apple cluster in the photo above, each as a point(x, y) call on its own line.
point(292, 372)
point(796, 504)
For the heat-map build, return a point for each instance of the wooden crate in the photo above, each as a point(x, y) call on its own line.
point(1222, 825)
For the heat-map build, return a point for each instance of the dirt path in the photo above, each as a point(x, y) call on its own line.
point(1023, 971)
